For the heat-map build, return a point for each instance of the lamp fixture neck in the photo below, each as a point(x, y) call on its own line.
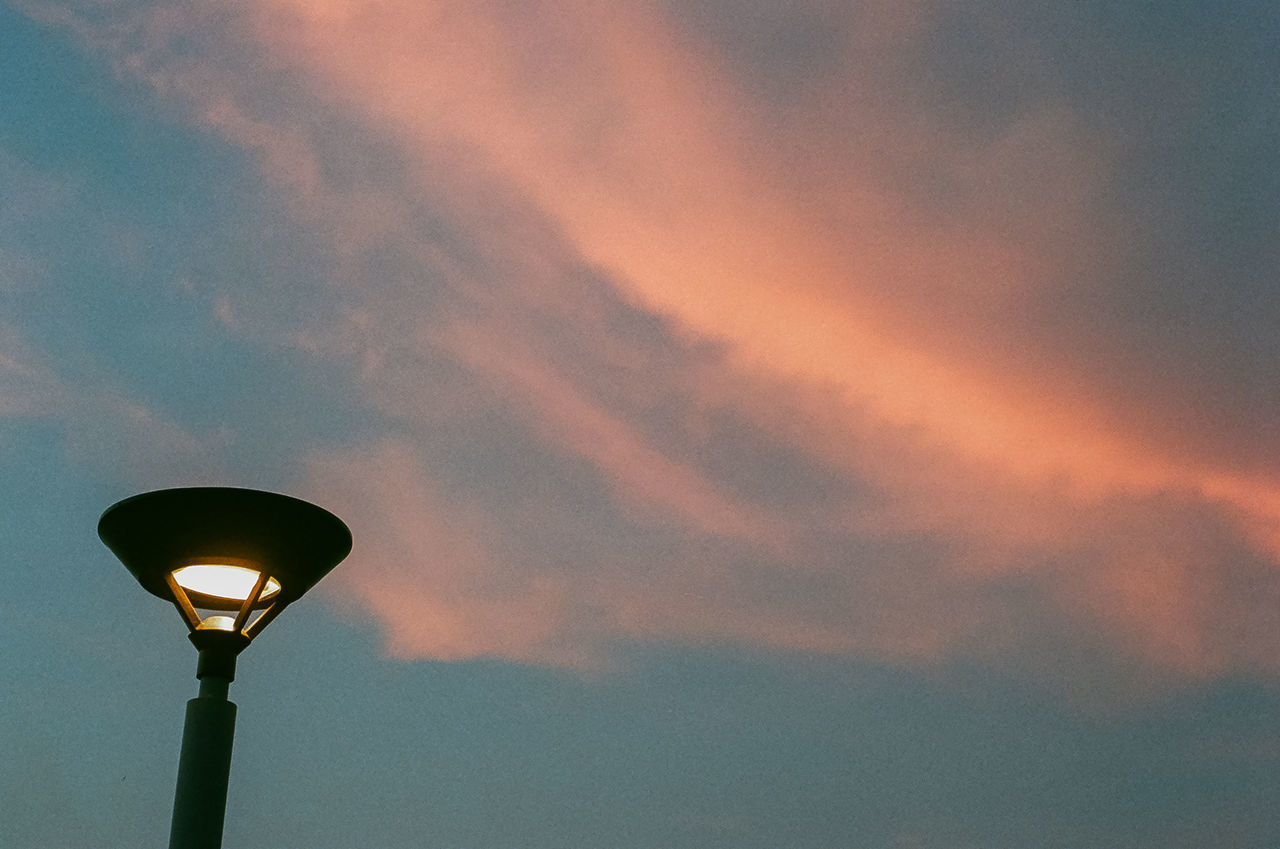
point(216, 666)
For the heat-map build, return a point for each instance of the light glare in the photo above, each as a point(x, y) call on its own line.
point(223, 581)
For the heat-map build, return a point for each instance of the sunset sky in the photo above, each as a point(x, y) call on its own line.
point(762, 424)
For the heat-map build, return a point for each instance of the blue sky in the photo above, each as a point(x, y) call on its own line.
point(808, 425)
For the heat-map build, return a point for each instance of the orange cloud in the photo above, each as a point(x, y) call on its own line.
point(641, 161)
point(860, 329)
point(424, 568)
point(641, 473)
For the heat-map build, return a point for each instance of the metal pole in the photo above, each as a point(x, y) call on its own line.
point(204, 767)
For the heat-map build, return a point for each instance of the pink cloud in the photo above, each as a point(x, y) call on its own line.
point(641, 474)
point(668, 195)
point(854, 323)
point(426, 568)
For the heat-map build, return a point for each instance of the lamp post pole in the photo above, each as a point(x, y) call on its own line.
point(229, 560)
point(204, 767)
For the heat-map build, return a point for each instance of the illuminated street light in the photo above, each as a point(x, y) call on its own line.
point(229, 560)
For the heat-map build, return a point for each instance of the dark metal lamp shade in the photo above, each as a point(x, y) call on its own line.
point(243, 551)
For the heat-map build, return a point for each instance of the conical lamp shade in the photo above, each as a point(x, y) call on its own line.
point(292, 541)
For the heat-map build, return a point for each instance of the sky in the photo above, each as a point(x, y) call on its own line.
point(808, 424)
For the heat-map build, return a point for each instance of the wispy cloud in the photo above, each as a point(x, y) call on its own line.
point(27, 386)
point(682, 326)
point(100, 419)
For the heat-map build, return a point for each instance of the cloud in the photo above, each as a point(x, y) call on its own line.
point(100, 428)
point(102, 420)
point(671, 324)
point(668, 196)
point(638, 470)
point(27, 386)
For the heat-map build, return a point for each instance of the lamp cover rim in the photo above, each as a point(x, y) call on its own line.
point(293, 541)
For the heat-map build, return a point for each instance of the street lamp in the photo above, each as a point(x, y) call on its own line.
point(229, 560)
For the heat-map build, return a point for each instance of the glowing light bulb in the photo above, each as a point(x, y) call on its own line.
point(222, 580)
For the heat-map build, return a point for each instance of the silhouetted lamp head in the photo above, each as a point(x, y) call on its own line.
point(229, 559)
